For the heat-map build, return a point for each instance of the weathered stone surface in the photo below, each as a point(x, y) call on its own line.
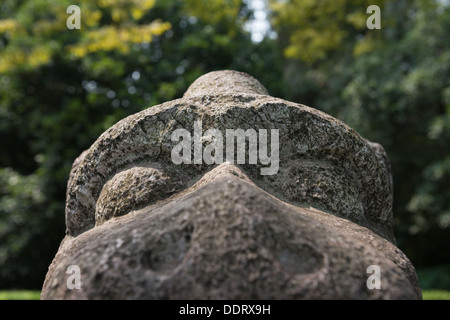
point(141, 227)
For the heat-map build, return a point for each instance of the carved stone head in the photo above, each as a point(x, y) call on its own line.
point(230, 193)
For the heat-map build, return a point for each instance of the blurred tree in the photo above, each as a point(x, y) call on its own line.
point(392, 86)
point(398, 96)
point(108, 25)
point(314, 29)
point(60, 89)
point(51, 108)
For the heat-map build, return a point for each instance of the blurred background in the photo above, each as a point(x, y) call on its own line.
point(61, 88)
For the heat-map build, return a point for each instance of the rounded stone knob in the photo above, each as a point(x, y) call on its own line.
point(225, 83)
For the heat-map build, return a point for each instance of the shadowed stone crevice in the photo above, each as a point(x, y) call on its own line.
point(168, 251)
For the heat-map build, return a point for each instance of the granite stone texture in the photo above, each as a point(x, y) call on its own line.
point(140, 226)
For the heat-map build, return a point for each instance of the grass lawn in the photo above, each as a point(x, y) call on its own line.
point(431, 294)
point(35, 295)
point(20, 295)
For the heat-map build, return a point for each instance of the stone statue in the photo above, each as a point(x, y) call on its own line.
point(230, 193)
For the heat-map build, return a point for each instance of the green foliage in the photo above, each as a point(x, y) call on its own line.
point(397, 94)
point(24, 223)
point(55, 106)
point(435, 278)
point(408, 112)
point(37, 30)
point(314, 29)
